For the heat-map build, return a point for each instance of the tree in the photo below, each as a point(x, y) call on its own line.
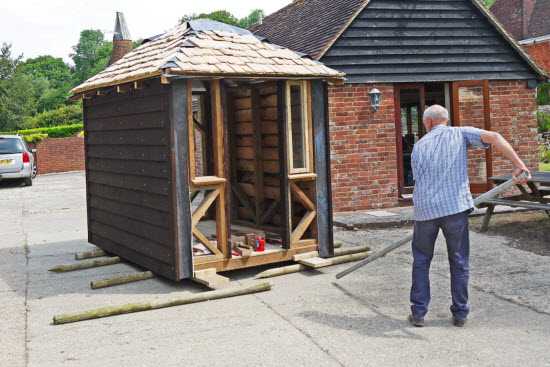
point(16, 92)
point(52, 69)
point(7, 63)
point(87, 52)
point(226, 17)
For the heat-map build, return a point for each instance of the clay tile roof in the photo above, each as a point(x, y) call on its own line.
point(540, 21)
point(510, 14)
point(315, 25)
point(184, 50)
point(524, 19)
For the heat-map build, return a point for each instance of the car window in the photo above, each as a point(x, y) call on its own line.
point(9, 145)
point(26, 145)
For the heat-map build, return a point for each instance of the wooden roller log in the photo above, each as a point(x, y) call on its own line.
point(156, 304)
point(86, 264)
point(89, 254)
point(300, 267)
point(337, 244)
point(103, 283)
point(350, 250)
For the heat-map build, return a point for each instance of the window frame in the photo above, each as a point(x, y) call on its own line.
point(307, 128)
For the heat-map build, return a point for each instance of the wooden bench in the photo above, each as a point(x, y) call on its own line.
point(491, 203)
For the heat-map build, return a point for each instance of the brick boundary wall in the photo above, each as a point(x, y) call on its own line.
point(363, 151)
point(59, 155)
point(540, 52)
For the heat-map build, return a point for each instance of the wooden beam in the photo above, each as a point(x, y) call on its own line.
point(89, 95)
point(165, 80)
point(259, 199)
point(301, 197)
point(204, 205)
point(302, 176)
point(271, 211)
point(202, 239)
point(179, 141)
point(219, 166)
point(243, 198)
point(208, 180)
point(286, 222)
point(302, 226)
point(141, 84)
point(123, 88)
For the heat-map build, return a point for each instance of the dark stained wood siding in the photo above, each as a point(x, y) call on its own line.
point(129, 177)
point(424, 40)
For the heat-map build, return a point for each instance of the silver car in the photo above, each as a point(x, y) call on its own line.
point(16, 159)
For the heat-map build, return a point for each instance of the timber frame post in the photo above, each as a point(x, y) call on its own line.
point(282, 116)
point(321, 141)
point(179, 134)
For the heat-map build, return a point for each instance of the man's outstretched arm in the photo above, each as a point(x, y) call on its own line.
point(497, 141)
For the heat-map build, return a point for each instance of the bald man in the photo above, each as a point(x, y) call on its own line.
point(442, 200)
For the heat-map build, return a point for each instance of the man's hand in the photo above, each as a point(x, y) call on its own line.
point(519, 171)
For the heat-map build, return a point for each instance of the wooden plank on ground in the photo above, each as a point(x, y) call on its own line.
point(210, 280)
point(306, 255)
point(316, 262)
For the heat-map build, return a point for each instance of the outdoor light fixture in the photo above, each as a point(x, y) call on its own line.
point(374, 96)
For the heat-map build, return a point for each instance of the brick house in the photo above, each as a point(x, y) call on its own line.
point(416, 53)
point(529, 22)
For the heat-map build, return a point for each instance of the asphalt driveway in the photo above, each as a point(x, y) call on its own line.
point(307, 319)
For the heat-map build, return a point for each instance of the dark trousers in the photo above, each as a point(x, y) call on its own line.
point(456, 231)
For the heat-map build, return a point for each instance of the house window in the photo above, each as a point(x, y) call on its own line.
point(299, 127)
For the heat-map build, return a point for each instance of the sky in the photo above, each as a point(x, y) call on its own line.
point(52, 27)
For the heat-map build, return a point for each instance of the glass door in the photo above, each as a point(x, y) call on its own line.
point(409, 109)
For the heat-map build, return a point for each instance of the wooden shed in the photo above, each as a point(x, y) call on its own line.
point(199, 136)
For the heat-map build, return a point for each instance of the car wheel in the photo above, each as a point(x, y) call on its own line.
point(28, 181)
point(34, 169)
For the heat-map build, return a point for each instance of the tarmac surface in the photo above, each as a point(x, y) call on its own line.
point(307, 319)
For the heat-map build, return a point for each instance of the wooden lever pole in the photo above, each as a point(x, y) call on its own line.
point(480, 199)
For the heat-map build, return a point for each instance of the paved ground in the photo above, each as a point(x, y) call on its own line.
point(307, 319)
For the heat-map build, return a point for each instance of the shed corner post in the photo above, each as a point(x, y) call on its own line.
point(321, 141)
point(179, 131)
point(286, 218)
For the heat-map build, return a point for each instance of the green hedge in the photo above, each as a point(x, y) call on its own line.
point(34, 135)
point(63, 116)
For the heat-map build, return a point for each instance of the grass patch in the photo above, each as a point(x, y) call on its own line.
point(544, 166)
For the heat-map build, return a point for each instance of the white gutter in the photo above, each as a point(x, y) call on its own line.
point(534, 40)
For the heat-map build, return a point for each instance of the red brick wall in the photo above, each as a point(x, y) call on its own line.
point(60, 155)
point(540, 52)
point(363, 151)
point(514, 116)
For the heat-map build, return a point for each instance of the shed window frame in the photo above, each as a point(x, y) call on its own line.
point(306, 128)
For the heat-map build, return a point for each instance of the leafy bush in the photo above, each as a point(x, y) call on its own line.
point(33, 138)
point(66, 115)
point(543, 122)
point(542, 94)
point(51, 132)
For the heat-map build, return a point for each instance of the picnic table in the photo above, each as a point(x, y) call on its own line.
point(534, 198)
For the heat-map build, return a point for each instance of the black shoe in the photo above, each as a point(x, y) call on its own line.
point(416, 322)
point(459, 323)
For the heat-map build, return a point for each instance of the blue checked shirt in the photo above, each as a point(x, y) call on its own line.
point(440, 168)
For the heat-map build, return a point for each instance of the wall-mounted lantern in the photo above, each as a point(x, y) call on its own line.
point(374, 96)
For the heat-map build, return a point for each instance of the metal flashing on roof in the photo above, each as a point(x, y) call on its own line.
point(121, 29)
point(188, 43)
point(211, 25)
point(260, 38)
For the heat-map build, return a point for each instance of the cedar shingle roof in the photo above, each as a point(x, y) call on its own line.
point(523, 18)
point(309, 26)
point(207, 52)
